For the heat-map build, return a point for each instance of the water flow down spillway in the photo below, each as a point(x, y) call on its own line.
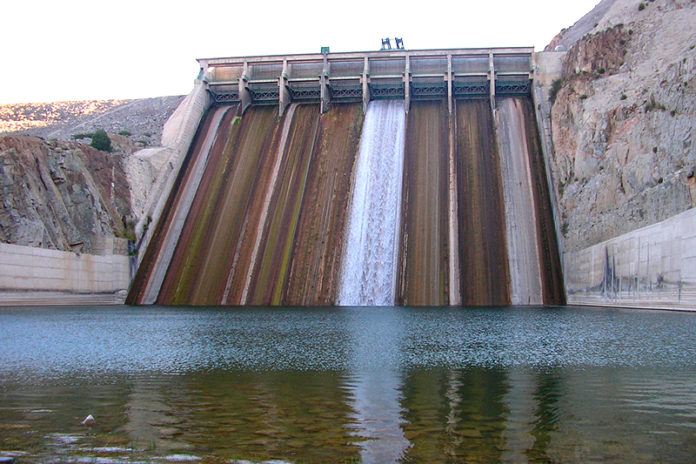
point(434, 208)
point(369, 270)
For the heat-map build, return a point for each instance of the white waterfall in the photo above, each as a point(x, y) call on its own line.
point(370, 255)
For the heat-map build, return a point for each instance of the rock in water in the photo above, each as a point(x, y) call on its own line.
point(89, 420)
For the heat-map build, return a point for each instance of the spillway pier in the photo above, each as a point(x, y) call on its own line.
point(364, 76)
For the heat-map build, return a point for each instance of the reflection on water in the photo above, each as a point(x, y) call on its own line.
point(363, 385)
point(375, 385)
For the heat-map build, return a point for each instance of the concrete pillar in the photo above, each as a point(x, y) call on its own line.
point(283, 91)
point(325, 96)
point(244, 94)
point(542, 111)
point(203, 73)
point(407, 85)
point(365, 86)
point(491, 80)
point(449, 84)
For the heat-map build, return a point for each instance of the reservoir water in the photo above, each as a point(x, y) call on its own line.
point(347, 385)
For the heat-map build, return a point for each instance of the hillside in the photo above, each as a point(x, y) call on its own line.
point(141, 119)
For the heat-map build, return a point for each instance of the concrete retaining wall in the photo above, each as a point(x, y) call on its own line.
point(652, 267)
point(548, 68)
point(177, 135)
point(31, 275)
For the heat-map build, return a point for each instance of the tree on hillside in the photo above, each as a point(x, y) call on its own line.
point(101, 141)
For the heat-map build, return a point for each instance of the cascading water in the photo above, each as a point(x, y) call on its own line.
point(369, 267)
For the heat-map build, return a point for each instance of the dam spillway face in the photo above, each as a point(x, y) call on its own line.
point(358, 203)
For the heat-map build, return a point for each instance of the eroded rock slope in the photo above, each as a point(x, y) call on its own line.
point(62, 195)
point(624, 120)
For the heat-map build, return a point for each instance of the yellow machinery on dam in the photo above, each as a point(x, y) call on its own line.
point(394, 177)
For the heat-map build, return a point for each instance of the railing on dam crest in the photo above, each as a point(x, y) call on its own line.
point(363, 76)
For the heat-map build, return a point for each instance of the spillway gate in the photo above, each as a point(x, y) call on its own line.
point(363, 76)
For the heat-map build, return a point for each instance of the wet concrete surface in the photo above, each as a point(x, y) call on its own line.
point(484, 274)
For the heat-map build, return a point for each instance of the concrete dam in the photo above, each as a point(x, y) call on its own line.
point(379, 178)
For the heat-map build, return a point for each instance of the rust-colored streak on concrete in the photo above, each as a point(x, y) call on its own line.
point(185, 266)
point(159, 235)
point(240, 210)
point(549, 259)
point(318, 244)
point(482, 247)
point(228, 199)
point(424, 253)
point(273, 261)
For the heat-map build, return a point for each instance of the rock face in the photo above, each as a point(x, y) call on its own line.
point(568, 36)
point(65, 195)
point(62, 195)
point(623, 120)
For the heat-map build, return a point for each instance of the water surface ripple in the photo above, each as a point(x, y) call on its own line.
point(347, 384)
point(56, 341)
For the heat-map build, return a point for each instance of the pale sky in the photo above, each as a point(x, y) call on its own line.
point(56, 50)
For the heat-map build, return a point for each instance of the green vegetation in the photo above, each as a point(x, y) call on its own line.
point(623, 96)
point(555, 87)
point(101, 141)
point(653, 105)
point(564, 228)
point(124, 132)
point(641, 6)
point(128, 230)
point(85, 135)
point(583, 96)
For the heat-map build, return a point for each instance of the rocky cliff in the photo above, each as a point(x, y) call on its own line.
point(624, 119)
point(63, 194)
